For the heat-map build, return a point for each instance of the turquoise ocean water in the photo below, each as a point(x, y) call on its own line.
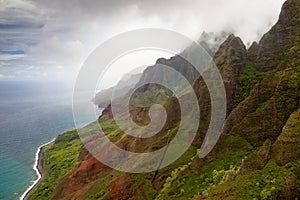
point(31, 113)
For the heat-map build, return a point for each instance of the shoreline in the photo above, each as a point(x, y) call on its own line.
point(38, 167)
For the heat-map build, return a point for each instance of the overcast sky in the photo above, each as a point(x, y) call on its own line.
point(50, 39)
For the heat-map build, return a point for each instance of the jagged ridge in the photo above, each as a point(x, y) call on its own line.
point(255, 157)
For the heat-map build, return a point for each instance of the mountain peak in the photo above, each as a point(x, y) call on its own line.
point(283, 35)
point(230, 60)
point(290, 13)
point(234, 41)
point(233, 45)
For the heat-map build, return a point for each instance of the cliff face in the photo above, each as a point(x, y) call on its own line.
point(257, 155)
point(146, 91)
point(267, 115)
point(209, 41)
point(274, 45)
point(230, 60)
point(286, 147)
point(275, 96)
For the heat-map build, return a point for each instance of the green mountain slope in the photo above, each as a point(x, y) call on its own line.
point(257, 156)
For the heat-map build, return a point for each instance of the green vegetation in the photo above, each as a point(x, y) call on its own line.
point(107, 125)
point(246, 81)
point(259, 184)
point(60, 157)
point(153, 94)
point(256, 156)
point(194, 177)
point(286, 147)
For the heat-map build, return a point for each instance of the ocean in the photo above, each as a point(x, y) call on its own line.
point(32, 113)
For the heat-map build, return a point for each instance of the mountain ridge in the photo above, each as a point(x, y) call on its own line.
point(257, 155)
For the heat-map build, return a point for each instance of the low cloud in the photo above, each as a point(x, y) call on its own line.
point(8, 57)
point(13, 4)
point(62, 33)
point(59, 51)
point(249, 19)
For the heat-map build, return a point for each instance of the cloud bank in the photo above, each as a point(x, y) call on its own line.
point(56, 36)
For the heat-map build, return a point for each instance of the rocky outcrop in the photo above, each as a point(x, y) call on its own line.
point(268, 54)
point(209, 43)
point(265, 111)
point(258, 160)
point(230, 60)
point(286, 147)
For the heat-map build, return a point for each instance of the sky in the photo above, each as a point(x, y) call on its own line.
point(50, 40)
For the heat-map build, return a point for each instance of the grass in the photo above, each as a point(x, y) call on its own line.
point(259, 184)
point(246, 81)
point(194, 177)
point(60, 157)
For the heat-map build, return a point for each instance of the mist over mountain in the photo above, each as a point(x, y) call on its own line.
point(209, 42)
point(256, 157)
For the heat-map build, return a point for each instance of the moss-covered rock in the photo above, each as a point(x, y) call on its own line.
point(274, 44)
point(258, 160)
point(286, 148)
point(230, 60)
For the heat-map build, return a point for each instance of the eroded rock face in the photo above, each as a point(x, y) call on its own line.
point(230, 60)
point(275, 96)
point(258, 160)
point(266, 114)
point(80, 179)
point(121, 188)
point(268, 118)
point(286, 148)
point(268, 53)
